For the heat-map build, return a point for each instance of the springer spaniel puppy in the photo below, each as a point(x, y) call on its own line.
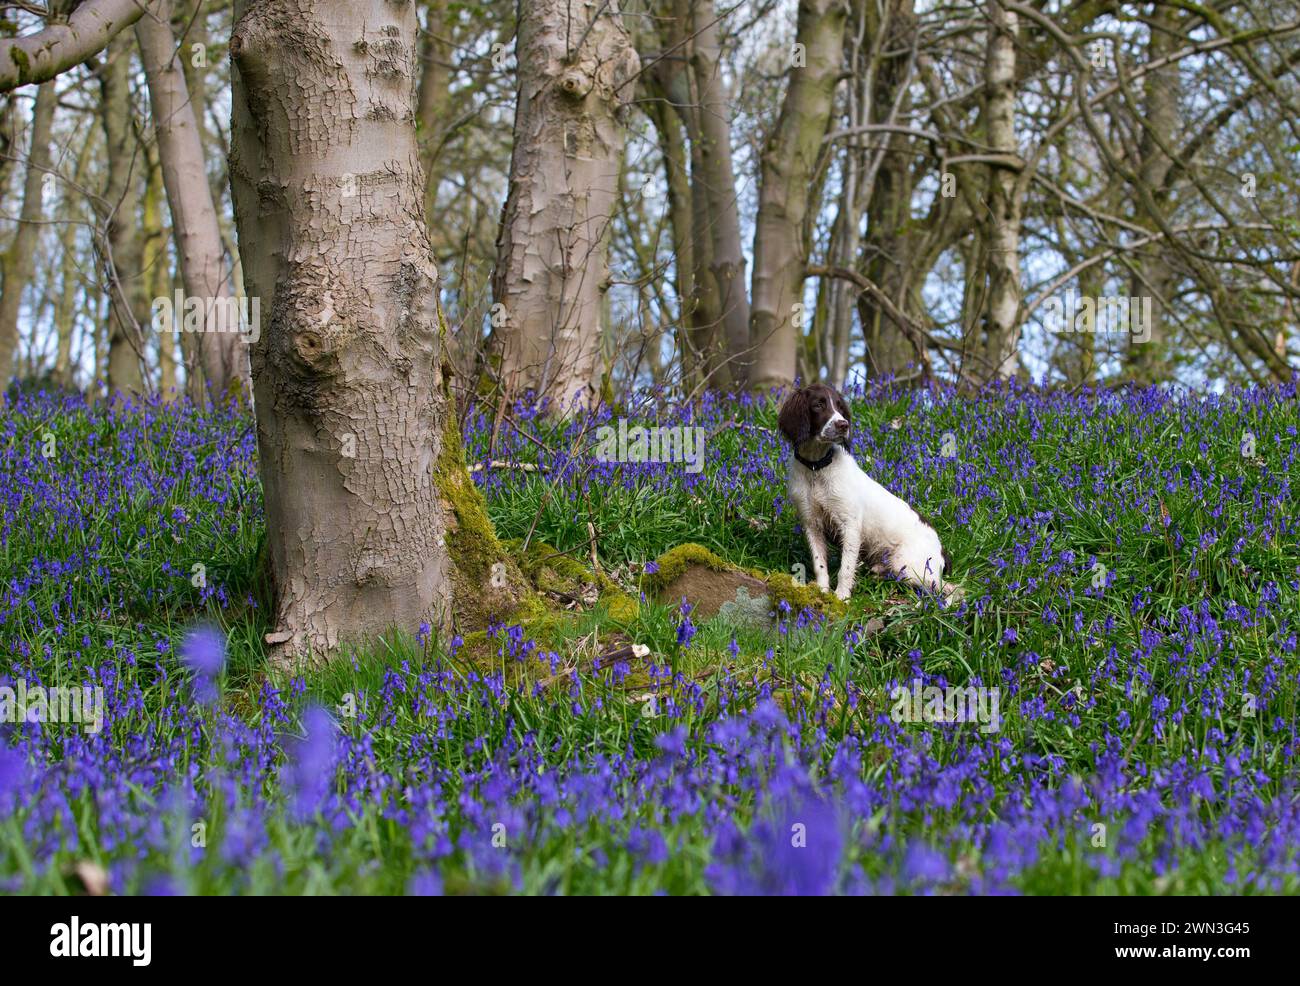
point(834, 496)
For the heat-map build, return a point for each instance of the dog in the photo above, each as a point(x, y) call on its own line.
point(835, 497)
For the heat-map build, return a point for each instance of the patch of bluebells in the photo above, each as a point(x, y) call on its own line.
point(780, 785)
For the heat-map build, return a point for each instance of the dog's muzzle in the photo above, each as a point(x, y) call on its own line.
point(835, 429)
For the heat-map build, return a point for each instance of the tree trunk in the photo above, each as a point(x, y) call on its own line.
point(1155, 276)
point(222, 351)
point(1002, 224)
point(707, 332)
point(20, 259)
point(727, 260)
point(552, 249)
point(672, 145)
point(371, 517)
point(843, 252)
point(121, 198)
point(434, 100)
point(669, 106)
point(157, 273)
point(70, 277)
point(705, 345)
point(8, 119)
point(788, 167)
point(891, 251)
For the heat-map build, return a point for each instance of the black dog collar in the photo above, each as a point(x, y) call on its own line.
point(821, 463)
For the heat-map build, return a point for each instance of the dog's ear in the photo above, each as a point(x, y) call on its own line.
point(794, 420)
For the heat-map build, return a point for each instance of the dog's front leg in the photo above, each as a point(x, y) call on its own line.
point(817, 547)
point(852, 544)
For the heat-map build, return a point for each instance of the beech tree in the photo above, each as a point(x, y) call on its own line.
point(1002, 317)
point(718, 184)
point(789, 162)
point(18, 261)
point(372, 521)
point(574, 60)
point(221, 349)
point(128, 310)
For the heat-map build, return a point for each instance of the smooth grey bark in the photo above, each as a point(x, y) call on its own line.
point(19, 260)
point(156, 270)
point(718, 182)
point(788, 167)
point(552, 249)
point(195, 227)
point(707, 332)
point(189, 17)
point(1002, 224)
point(58, 47)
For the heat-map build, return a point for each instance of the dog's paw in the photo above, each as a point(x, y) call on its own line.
point(953, 594)
point(843, 594)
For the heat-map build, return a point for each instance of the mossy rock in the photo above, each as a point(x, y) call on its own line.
point(714, 586)
point(732, 593)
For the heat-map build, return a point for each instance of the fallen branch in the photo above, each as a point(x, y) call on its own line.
point(501, 464)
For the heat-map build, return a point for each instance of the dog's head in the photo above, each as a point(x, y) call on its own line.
point(817, 412)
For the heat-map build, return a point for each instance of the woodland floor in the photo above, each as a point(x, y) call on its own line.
point(1131, 563)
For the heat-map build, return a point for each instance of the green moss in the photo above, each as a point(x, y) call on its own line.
point(672, 563)
point(547, 627)
point(622, 608)
point(548, 568)
point(806, 596)
point(483, 592)
point(487, 584)
point(472, 541)
point(493, 582)
point(24, 66)
point(607, 395)
point(552, 571)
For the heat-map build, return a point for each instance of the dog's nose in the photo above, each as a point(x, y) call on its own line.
point(842, 426)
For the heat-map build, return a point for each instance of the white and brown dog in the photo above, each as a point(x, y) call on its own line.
point(835, 497)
